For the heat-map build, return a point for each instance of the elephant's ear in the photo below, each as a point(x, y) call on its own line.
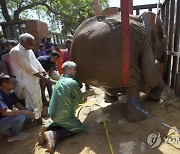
point(154, 30)
point(155, 34)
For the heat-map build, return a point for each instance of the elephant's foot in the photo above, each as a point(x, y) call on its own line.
point(109, 98)
point(132, 114)
point(155, 94)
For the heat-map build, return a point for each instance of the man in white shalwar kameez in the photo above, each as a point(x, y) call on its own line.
point(28, 71)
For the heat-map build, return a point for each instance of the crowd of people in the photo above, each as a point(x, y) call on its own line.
point(24, 76)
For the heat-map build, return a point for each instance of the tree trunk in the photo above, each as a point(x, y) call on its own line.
point(5, 11)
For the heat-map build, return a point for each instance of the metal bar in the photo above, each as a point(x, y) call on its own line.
point(163, 13)
point(126, 41)
point(148, 6)
point(166, 26)
point(57, 38)
point(54, 39)
point(137, 12)
point(140, 7)
point(20, 28)
point(176, 43)
point(96, 7)
point(170, 43)
point(171, 52)
point(130, 6)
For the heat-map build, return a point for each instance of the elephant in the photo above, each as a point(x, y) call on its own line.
point(98, 53)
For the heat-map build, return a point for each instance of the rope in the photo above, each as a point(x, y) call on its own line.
point(87, 104)
point(134, 103)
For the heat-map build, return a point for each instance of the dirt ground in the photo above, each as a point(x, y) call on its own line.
point(125, 137)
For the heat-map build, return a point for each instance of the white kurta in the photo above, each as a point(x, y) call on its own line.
point(24, 65)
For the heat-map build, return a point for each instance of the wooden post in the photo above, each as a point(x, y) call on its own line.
point(126, 41)
point(96, 7)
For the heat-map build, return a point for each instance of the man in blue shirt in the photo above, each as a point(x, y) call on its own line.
point(49, 64)
point(41, 51)
point(49, 46)
point(10, 119)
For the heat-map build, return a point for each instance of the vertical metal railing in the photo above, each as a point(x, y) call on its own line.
point(177, 46)
point(170, 14)
point(170, 42)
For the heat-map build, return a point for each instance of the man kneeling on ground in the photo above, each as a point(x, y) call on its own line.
point(64, 102)
point(12, 120)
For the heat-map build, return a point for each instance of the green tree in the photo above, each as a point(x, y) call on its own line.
point(70, 13)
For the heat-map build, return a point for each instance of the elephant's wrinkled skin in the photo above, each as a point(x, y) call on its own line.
point(97, 50)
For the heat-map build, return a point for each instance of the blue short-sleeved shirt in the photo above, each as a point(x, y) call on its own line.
point(48, 45)
point(46, 63)
point(7, 101)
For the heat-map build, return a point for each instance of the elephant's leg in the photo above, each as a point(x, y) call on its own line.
point(151, 75)
point(132, 114)
point(155, 94)
point(112, 93)
point(109, 98)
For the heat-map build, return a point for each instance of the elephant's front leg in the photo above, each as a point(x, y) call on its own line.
point(155, 94)
point(132, 114)
point(151, 75)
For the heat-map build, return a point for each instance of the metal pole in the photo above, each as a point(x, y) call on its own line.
point(170, 42)
point(176, 46)
point(96, 7)
point(126, 41)
point(130, 6)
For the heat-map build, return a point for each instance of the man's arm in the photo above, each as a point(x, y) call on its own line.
point(9, 112)
point(76, 93)
point(20, 106)
point(43, 76)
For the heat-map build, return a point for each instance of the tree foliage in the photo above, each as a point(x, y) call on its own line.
point(70, 13)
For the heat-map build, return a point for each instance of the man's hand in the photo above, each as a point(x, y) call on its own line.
point(9, 112)
point(44, 73)
point(43, 76)
point(52, 81)
point(46, 78)
point(30, 114)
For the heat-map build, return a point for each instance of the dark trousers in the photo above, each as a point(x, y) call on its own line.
point(49, 89)
point(61, 132)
